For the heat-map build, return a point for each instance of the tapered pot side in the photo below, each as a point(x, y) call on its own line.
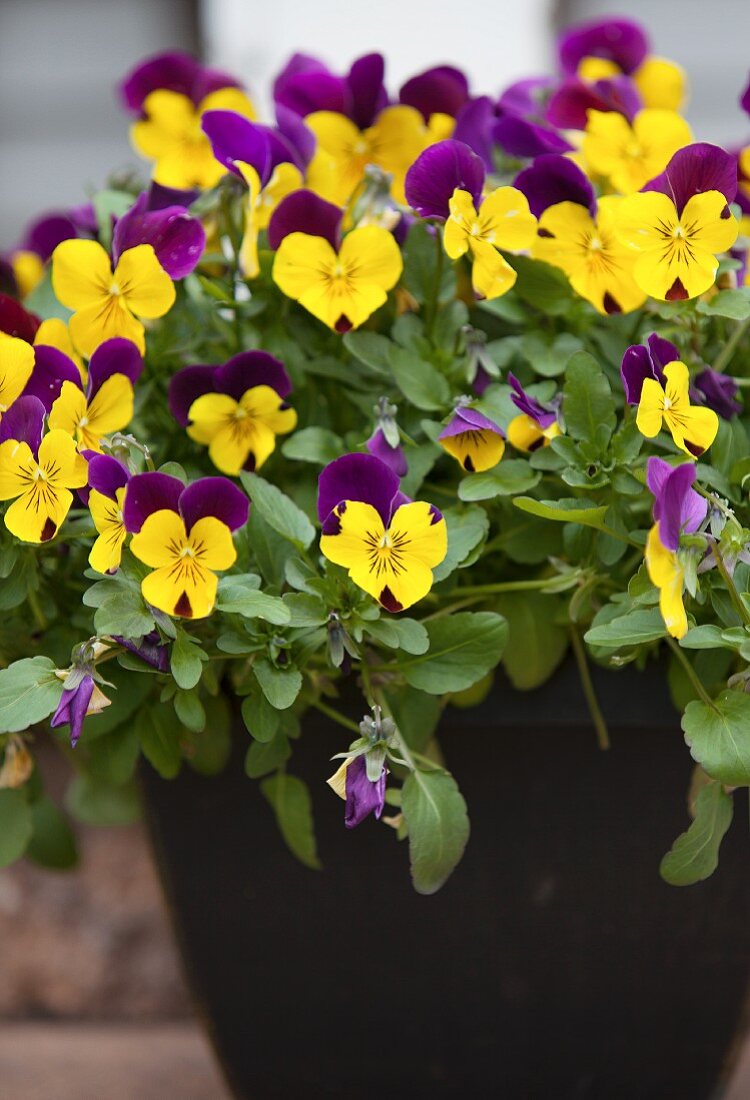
point(554, 963)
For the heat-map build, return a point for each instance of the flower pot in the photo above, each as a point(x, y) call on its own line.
point(554, 963)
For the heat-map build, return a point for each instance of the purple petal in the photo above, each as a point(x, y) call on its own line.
point(641, 362)
point(366, 92)
point(618, 40)
point(149, 649)
point(305, 212)
point(552, 179)
point(174, 71)
point(465, 419)
point(24, 421)
point(298, 136)
point(46, 233)
point(249, 369)
point(569, 105)
point(51, 368)
point(525, 403)
point(393, 457)
point(185, 387)
point(148, 493)
point(177, 238)
point(657, 472)
point(116, 356)
point(362, 796)
point(717, 391)
point(17, 321)
point(681, 508)
point(695, 169)
point(159, 196)
point(235, 138)
point(106, 474)
point(661, 351)
point(474, 127)
point(437, 172)
point(440, 90)
point(84, 219)
point(526, 98)
point(519, 138)
point(745, 98)
point(71, 709)
point(357, 477)
point(213, 496)
point(306, 85)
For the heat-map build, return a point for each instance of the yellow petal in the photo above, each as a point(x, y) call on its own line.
point(188, 591)
point(81, 274)
point(111, 407)
point(303, 261)
point(60, 461)
point(145, 287)
point(92, 326)
point(458, 225)
point(107, 516)
point(211, 542)
point(703, 221)
point(475, 451)
point(54, 333)
point(371, 255)
point(506, 220)
point(650, 409)
point(17, 468)
point(667, 575)
point(16, 366)
point(491, 275)
point(228, 99)
point(69, 409)
point(28, 270)
point(37, 514)
point(160, 539)
point(662, 83)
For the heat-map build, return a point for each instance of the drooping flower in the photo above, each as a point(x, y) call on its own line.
point(36, 472)
point(185, 536)
point(717, 391)
point(476, 442)
point(77, 702)
point(107, 479)
point(667, 574)
point(160, 217)
point(107, 303)
point(693, 427)
point(642, 361)
point(237, 409)
point(537, 425)
point(385, 442)
point(343, 287)
point(170, 135)
point(362, 795)
point(630, 155)
point(150, 649)
point(105, 404)
point(388, 544)
point(681, 222)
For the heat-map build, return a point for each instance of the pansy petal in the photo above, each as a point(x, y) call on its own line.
point(235, 138)
point(357, 477)
point(24, 421)
point(143, 282)
point(249, 369)
point(697, 168)
point(16, 366)
point(217, 497)
point(17, 321)
point(440, 90)
point(107, 474)
point(116, 356)
point(177, 238)
point(81, 273)
point(187, 385)
point(148, 493)
point(437, 172)
point(620, 40)
point(366, 93)
point(305, 212)
point(474, 127)
point(552, 179)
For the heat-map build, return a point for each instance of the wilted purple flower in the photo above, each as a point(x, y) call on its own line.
point(393, 457)
point(363, 796)
point(150, 649)
point(646, 361)
point(77, 702)
point(677, 506)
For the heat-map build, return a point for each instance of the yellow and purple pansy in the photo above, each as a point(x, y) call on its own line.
point(681, 222)
point(28, 258)
point(537, 424)
point(678, 508)
point(363, 796)
point(666, 403)
point(107, 481)
point(236, 410)
point(628, 154)
point(476, 442)
point(388, 543)
point(37, 472)
point(105, 403)
point(184, 535)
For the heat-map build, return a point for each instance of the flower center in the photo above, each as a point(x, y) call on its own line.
point(678, 232)
point(386, 542)
point(187, 552)
point(667, 404)
point(595, 244)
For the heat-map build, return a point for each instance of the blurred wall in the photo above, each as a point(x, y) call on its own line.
point(61, 130)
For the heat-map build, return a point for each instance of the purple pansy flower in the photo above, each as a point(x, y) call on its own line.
point(208, 496)
point(527, 98)
point(474, 440)
point(717, 391)
point(439, 90)
point(174, 72)
point(437, 172)
point(552, 179)
point(235, 377)
point(641, 362)
point(117, 358)
point(306, 85)
point(677, 506)
point(473, 127)
point(619, 40)
point(544, 415)
point(24, 421)
point(106, 474)
point(569, 104)
point(305, 212)
point(150, 649)
point(236, 140)
point(697, 168)
point(363, 797)
point(177, 238)
point(46, 232)
point(393, 457)
point(75, 703)
point(357, 477)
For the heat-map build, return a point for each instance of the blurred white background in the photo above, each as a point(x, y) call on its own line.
point(62, 132)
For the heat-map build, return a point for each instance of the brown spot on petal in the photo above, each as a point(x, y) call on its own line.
point(389, 601)
point(183, 607)
point(467, 464)
point(694, 448)
point(610, 304)
point(343, 324)
point(49, 530)
point(677, 292)
point(545, 233)
point(536, 444)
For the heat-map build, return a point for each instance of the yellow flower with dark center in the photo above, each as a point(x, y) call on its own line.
point(598, 264)
point(629, 155)
point(693, 427)
point(503, 220)
point(172, 137)
point(109, 410)
point(39, 485)
point(237, 430)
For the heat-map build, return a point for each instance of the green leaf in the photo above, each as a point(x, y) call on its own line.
point(120, 608)
point(634, 628)
point(370, 348)
point(695, 854)
point(708, 636)
point(424, 265)
point(567, 510)
point(513, 475)
point(467, 530)
point(97, 803)
point(588, 405)
point(279, 511)
point(29, 692)
point(317, 445)
point(718, 737)
point(416, 714)
point(53, 843)
point(280, 686)
point(734, 304)
point(438, 823)
point(264, 758)
point(190, 711)
point(290, 800)
point(158, 730)
point(398, 633)
point(418, 380)
point(238, 599)
point(208, 751)
point(536, 644)
point(261, 719)
point(16, 826)
point(463, 648)
point(541, 285)
point(549, 358)
point(108, 205)
point(186, 660)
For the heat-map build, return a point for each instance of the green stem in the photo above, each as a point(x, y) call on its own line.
point(734, 595)
point(336, 716)
point(584, 672)
point(504, 586)
point(36, 609)
point(433, 306)
point(403, 748)
point(691, 673)
point(725, 355)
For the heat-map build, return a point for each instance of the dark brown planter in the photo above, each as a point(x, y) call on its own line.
point(554, 964)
